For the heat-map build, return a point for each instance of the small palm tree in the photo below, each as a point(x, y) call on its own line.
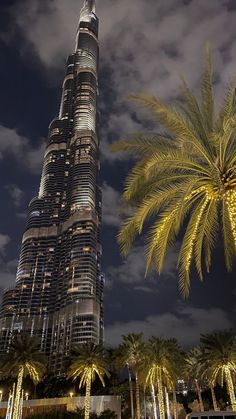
point(184, 180)
point(218, 360)
point(88, 361)
point(160, 369)
point(177, 357)
point(131, 355)
point(23, 358)
point(193, 371)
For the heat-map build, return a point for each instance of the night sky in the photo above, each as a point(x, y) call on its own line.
point(145, 45)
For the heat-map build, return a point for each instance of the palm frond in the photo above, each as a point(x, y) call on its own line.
point(143, 144)
point(207, 93)
point(206, 236)
point(187, 247)
point(184, 181)
point(192, 111)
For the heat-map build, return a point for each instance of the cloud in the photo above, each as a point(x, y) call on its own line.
point(186, 324)
point(139, 52)
point(111, 201)
point(132, 269)
point(11, 142)
point(149, 56)
point(34, 158)
point(120, 124)
point(4, 241)
point(144, 289)
point(16, 194)
point(22, 215)
point(7, 274)
point(112, 208)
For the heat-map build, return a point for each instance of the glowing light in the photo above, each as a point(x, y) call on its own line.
point(32, 371)
point(88, 395)
point(162, 226)
point(18, 393)
point(155, 375)
point(230, 386)
point(230, 197)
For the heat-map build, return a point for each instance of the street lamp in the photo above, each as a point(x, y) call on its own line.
point(1, 393)
point(71, 394)
point(26, 396)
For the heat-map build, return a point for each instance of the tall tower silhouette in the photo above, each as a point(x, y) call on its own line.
point(58, 294)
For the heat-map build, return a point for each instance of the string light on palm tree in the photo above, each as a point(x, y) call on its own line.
point(23, 358)
point(193, 372)
point(88, 362)
point(184, 180)
point(130, 354)
point(218, 360)
point(160, 368)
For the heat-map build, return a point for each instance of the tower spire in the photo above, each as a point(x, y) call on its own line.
point(87, 14)
point(90, 4)
point(87, 10)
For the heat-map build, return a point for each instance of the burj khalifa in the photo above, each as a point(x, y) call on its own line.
point(58, 295)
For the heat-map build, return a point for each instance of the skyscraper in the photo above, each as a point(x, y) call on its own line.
point(58, 294)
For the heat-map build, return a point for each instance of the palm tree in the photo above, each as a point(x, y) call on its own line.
point(178, 364)
point(193, 371)
point(184, 180)
point(218, 360)
point(131, 355)
point(23, 358)
point(160, 369)
point(88, 361)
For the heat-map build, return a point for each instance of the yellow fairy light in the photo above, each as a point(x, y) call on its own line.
point(88, 395)
point(18, 393)
point(34, 374)
point(155, 375)
point(230, 386)
point(230, 197)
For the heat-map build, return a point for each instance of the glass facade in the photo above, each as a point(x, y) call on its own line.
point(59, 287)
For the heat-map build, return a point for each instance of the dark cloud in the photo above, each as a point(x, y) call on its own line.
point(132, 269)
point(11, 142)
point(4, 241)
point(7, 274)
point(185, 324)
point(137, 46)
point(16, 194)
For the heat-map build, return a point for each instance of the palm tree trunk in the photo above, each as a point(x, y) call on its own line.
point(199, 396)
point(138, 414)
point(18, 393)
point(154, 402)
point(167, 404)
point(214, 399)
point(144, 403)
point(160, 396)
point(87, 397)
point(131, 393)
point(230, 387)
point(175, 403)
